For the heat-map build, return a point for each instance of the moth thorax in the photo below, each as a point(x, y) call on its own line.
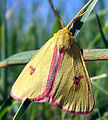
point(63, 39)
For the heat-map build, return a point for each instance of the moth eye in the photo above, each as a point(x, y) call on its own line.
point(77, 79)
point(32, 70)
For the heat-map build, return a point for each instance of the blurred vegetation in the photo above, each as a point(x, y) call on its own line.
point(23, 35)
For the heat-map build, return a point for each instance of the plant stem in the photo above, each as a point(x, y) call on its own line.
point(24, 57)
point(101, 31)
point(4, 54)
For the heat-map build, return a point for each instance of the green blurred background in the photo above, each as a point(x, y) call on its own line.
point(29, 24)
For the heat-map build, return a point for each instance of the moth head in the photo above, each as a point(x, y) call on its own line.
point(63, 39)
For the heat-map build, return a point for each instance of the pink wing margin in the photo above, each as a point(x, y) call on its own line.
point(51, 99)
point(55, 66)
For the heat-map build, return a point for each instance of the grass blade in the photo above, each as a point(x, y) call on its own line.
point(6, 106)
point(101, 31)
point(77, 22)
point(22, 109)
point(24, 57)
point(4, 53)
point(19, 58)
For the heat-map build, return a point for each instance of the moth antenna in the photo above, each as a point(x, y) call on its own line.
point(61, 20)
point(56, 13)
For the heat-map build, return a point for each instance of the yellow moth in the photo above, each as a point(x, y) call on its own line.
point(57, 74)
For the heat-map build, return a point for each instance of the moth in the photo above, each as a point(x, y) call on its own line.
point(57, 74)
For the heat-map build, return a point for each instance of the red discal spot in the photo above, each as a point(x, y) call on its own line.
point(77, 79)
point(32, 70)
